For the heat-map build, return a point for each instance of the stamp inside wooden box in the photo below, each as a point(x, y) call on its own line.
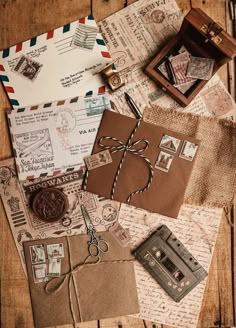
point(196, 45)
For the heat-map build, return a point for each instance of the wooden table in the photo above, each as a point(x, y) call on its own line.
point(23, 19)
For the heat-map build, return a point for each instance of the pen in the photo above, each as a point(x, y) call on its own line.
point(133, 106)
point(170, 71)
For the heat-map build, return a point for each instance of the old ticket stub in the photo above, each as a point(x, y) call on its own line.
point(97, 160)
point(120, 234)
point(54, 138)
point(200, 68)
point(25, 225)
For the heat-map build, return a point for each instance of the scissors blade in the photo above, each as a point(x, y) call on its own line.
point(87, 219)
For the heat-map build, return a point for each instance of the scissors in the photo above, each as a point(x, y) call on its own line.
point(96, 243)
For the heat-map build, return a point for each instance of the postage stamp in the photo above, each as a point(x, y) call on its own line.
point(37, 254)
point(120, 234)
point(180, 65)
point(97, 160)
point(27, 68)
point(84, 37)
point(169, 143)
point(96, 105)
point(164, 161)
point(188, 150)
point(40, 273)
point(200, 68)
point(54, 267)
point(55, 250)
point(217, 100)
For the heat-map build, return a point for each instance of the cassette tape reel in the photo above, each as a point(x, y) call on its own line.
point(170, 263)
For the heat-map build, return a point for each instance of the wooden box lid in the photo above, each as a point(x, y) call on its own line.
point(212, 31)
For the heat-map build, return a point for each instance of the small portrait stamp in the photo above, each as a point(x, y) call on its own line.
point(54, 268)
point(40, 273)
point(96, 105)
point(200, 68)
point(37, 254)
point(120, 234)
point(97, 160)
point(158, 16)
point(27, 68)
point(188, 150)
point(164, 161)
point(84, 37)
point(55, 250)
point(169, 143)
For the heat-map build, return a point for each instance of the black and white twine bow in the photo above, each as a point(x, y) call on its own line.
point(128, 147)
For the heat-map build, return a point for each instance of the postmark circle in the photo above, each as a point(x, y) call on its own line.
point(115, 80)
point(158, 16)
point(65, 120)
point(109, 213)
point(50, 205)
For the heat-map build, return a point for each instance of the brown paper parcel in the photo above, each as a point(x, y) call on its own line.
point(106, 289)
point(162, 192)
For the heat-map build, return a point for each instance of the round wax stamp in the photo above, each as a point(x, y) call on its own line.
point(50, 204)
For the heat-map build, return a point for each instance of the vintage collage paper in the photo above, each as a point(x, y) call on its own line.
point(16, 197)
point(197, 228)
point(150, 24)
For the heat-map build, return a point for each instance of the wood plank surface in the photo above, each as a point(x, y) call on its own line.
point(23, 19)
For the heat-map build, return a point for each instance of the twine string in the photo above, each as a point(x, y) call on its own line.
point(70, 277)
point(128, 147)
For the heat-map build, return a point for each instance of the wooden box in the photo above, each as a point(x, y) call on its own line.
point(202, 37)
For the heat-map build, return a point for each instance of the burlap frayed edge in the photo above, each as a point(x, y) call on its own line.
point(191, 116)
point(208, 204)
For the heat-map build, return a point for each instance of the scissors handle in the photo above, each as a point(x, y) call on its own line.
point(95, 248)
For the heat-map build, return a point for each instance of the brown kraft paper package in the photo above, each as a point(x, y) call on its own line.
point(105, 289)
point(166, 191)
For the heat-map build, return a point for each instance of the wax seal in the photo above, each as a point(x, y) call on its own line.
point(50, 204)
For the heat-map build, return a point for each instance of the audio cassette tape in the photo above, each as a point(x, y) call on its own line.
point(170, 263)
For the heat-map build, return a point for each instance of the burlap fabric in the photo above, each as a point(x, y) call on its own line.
point(213, 179)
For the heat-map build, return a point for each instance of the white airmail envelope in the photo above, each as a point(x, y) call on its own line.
point(53, 138)
point(59, 64)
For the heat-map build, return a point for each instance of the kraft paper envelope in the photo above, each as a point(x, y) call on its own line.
point(53, 138)
point(150, 165)
point(56, 65)
point(106, 289)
